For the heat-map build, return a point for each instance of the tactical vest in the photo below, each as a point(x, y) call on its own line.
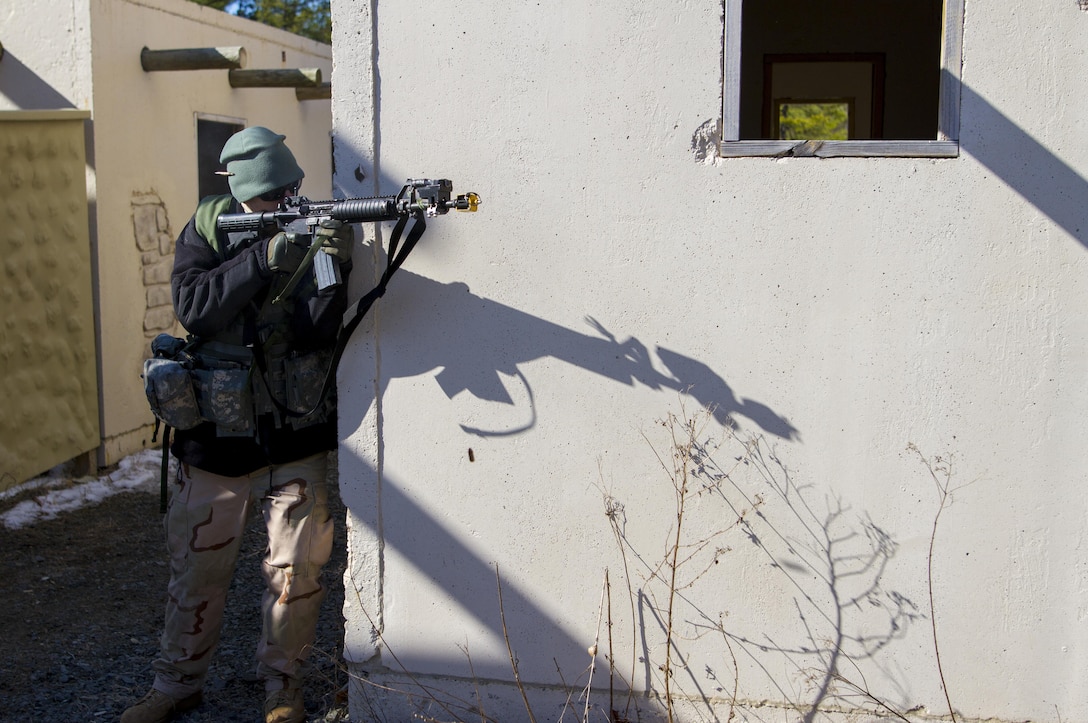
point(246, 370)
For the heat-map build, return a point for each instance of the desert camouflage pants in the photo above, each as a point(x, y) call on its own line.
point(204, 526)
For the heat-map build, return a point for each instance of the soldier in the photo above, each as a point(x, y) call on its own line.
point(258, 381)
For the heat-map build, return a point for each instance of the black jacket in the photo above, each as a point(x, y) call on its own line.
point(213, 291)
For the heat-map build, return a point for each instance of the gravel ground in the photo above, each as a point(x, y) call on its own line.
point(84, 595)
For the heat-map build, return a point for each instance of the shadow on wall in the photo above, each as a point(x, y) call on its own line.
point(830, 560)
point(473, 341)
point(470, 344)
point(25, 89)
point(1042, 178)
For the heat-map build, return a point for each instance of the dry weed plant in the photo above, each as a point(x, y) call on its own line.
point(845, 554)
point(686, 462)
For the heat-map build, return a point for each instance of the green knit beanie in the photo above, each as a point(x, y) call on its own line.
point(258, 162)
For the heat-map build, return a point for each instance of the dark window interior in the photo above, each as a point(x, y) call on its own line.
point(210, 137)
point(882, 57)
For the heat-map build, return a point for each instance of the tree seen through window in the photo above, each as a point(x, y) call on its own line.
point(801, 120)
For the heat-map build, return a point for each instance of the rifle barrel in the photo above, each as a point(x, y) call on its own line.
point(246, 221)
point(358, 210)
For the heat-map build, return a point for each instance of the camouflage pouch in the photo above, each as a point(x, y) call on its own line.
point(225, 398)
point(305, 377)
point(170, 393)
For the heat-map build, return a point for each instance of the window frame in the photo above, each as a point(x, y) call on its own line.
point(946, 145)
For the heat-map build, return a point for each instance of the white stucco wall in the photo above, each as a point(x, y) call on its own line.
point(835, 311)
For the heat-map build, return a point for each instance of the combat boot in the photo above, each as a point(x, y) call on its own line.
point(284, 706)
point(158, 707)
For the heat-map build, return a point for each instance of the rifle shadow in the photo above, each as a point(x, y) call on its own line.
point(473, 342)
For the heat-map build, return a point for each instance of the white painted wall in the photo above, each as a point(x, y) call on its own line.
point(142, 142)
point(835, 311)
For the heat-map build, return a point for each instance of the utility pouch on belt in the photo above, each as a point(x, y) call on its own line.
point(192, 382)
point(167, 383)
point(222, 379)
point(304, 381)
point(225, 398)
point(305, 377)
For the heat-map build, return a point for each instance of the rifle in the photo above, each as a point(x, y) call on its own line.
point(419, 199)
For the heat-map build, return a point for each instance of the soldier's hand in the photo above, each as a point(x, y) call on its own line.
point(284, 253)
point(336, 239)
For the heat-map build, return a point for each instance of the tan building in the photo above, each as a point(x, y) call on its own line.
point(86, 91)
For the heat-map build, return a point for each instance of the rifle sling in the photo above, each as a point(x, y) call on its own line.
point(165, 466)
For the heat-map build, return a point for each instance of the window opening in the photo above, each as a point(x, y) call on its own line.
point(890, 67)
point(211, 135)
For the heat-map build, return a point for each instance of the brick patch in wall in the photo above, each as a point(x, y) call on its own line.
point(151, 227)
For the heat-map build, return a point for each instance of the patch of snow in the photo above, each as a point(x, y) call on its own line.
point(136, 473)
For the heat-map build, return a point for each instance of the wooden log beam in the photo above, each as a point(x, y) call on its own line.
point(321, 92)
point(193, 58)
point(276, 78)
